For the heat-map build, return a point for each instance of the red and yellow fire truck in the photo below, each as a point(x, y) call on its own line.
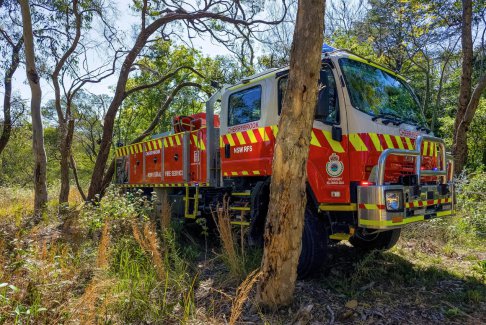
point(373, 166)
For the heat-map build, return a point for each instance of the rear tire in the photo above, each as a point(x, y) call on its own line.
point(381, 241)
point(314, 245)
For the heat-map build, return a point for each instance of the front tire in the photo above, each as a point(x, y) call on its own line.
point(381, 241)
point(314, 245)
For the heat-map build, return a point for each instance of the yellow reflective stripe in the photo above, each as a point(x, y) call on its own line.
point(263, 134)
point(314, 141)
point(140, 147)
point(244, 172)
point(338, 207)
point(357, 143)
point(388, 141)
point(388, 223)
point(432, 149)
point(149, 146)
point(160, 143)
point(240, 138)
point(230, 139)
point(252, 137)
point(376, 141)
point(424, 152)
point(399, 142)
point(221, 143)
point(335, 145)
point(194, 138)
point(234, 173)
point(370, 206)
point(171, 142)
point(256, 172)
point(131, 150)
point(444, 213)
point(275, 130)
point(409, 143)
point(135, 148)
point(165, 143)
point(178, 140)
point(201, 145)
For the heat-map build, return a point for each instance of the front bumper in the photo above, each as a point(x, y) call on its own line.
point(413, 202)
point(418, 203)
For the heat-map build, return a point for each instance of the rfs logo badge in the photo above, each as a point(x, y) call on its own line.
point(334, 167)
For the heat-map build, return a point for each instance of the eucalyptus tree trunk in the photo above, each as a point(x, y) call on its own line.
point(40, 160)
point(468, 97)
point(7, 99)
point(460, 136)
point(285, 219)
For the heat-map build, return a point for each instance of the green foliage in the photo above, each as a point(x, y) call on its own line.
point(118, 207)
point(472, 202)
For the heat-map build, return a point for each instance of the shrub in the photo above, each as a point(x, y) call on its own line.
point(471, 200)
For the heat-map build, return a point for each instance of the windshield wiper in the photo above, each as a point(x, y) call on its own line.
point(389, 118)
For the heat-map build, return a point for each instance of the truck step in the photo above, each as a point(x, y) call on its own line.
point(246, 193)
point(340, 236)
point(239, 208)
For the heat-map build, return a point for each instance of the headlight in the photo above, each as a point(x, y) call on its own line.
point(394, 200)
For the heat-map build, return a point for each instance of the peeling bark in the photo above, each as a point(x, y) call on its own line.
point(285, 219)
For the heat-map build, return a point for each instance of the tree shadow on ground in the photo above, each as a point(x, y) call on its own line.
point(385, 288)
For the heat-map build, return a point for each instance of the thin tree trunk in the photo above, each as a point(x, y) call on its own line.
point(7, 99)
point(460, 136)
point(66, 122)
point(40, 160)
point(65, 150)
point(76, 178)
point(285, 219)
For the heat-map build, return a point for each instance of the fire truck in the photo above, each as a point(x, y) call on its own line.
point(373, 164)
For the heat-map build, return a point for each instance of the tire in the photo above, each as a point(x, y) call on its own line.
point(314, 245)
point(381, 241)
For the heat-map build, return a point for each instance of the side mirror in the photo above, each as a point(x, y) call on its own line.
point(337, 133)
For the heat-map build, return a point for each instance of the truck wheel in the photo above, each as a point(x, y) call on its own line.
point(314, 245)
point(381, 240)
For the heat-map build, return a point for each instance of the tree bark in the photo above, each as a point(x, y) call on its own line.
point(66, 122)
point(285, 219)
point(460, 131)
point(40, 160)
point(7, 99)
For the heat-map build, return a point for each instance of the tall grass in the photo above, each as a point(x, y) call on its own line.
point(228, 241)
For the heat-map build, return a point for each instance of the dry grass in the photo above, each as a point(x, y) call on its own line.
point(149, 242)
point(102, 260)
point(242, 294)
point(165, 214)
point(85, 310)
point(223, 224)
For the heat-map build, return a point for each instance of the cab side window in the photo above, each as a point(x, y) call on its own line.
point(245, 106)
point(327, 109)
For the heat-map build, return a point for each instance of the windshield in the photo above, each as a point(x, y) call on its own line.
point(378, 93)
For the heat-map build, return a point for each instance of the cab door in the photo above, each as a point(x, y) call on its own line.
point(328, 164)
point(246, 145)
